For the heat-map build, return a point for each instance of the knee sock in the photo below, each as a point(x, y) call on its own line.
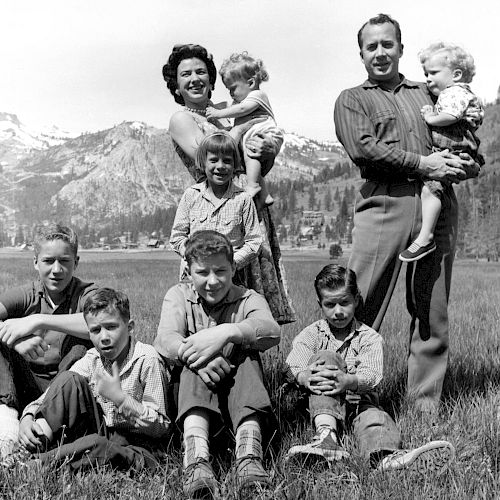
point(195, 439)
point(9, 429)
point(249, 439)
point(325, 421)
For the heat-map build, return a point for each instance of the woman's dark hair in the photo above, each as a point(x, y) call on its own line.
point(187, 51)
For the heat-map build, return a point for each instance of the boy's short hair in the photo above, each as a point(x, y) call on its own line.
point(243, 66)
point(54, 231)
point(333, 277)
point(380, 19)
point(107, 299)
point(203, 244)
point(456, 57)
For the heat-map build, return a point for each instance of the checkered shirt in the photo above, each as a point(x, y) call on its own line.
point(143, 379)
point(235, 217)
point(362, 351)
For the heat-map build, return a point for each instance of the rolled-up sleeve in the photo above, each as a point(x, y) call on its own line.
point(258, 329)
point(370, 362)
point(252, 235)
point(149, 415)
point(181, 226)
point(173, 326)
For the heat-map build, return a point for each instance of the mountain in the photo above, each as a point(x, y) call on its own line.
point(128, 171)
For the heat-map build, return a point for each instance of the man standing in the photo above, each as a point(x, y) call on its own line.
point(380, 127)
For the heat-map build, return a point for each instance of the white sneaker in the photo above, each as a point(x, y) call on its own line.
point(433, 456)
point(323, 445)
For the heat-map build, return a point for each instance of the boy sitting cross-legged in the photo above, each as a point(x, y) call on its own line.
point(338, 361)
point(42, 330)
point(215, 330)
point(110, 406)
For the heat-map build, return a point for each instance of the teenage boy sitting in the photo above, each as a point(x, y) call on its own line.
point(215, 330)
point(42, 330)
point(109, 407)
point(338, 360)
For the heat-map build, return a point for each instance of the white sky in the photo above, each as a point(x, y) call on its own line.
point(88, 65)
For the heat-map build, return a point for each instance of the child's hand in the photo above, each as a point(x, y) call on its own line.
point(214, 371)
point(212, 112)
point(14, 329)
point(318, 377)
point(199, 348)
point(30, 433)
point(31, 348)
point(109, 386)
point(342, 382)
point(427, 110)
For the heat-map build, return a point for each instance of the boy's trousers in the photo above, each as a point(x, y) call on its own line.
point(81, 437)
point(373, 429)
point(239, 395)
point(19, 385)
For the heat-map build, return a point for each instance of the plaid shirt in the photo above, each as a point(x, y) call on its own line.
point(143, 379)
point(383, 131)
point(362, 351)
point(235, 217)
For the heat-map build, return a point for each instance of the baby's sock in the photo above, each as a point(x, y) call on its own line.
point(249, 439)
point(9, 430)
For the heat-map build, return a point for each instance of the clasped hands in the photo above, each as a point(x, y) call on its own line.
point(327, 380)
point(202, 353)
point(22, 335)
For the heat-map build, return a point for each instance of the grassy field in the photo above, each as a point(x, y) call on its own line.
point(468, 418)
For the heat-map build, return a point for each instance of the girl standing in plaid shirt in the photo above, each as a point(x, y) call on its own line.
point(217, 203)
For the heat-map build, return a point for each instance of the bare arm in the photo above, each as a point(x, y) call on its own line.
point(437, 119)
point(237, 110)
point(14, 329)
point(186, 133)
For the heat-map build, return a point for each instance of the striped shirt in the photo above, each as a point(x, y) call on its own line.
point(382, 130)
point(362, 351)
point(235, 217)
point(143, 379)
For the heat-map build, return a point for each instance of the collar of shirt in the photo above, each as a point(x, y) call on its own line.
point(235, 293)
point(325, 329)
point(68, 293)
point(404, 82)
point(132, 355)
point(202, 187)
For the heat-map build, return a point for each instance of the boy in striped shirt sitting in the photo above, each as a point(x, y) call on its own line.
point(339, 362)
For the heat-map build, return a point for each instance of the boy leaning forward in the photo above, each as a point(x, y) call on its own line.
point(214, 331)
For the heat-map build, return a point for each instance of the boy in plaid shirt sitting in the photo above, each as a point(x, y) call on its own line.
point(110, 406)
point(338, 360)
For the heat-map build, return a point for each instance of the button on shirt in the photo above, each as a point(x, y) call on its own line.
point(143, 379)
point(383, 131)
point(183, 314)
point(235, 217)
point(362, 351)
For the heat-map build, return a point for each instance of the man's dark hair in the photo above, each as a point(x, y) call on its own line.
point(380, 19)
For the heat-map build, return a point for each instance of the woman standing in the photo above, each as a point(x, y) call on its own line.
point(190, 74)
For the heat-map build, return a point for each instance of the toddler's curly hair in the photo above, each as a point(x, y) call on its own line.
point(456, 56)
point(242, 65)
